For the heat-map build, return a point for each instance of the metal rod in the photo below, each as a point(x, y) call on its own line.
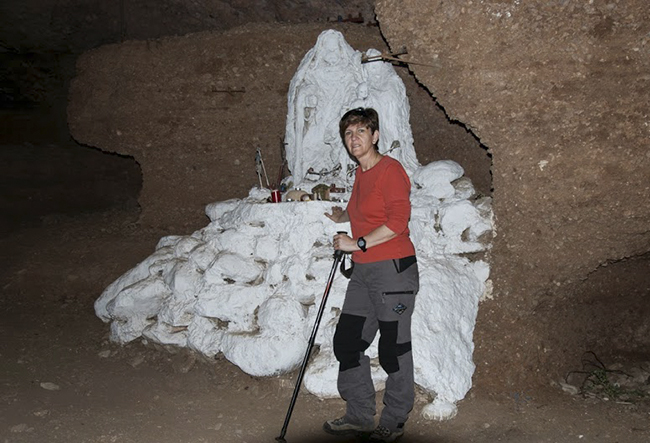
point(337, 258)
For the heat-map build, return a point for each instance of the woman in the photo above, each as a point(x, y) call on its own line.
point(382, 289)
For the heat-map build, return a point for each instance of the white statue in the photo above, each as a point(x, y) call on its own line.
point(326, 77)
point(386, 93)
point(330, 81)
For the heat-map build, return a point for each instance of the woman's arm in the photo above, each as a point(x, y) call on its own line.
point(380, 235)
point(395, 189)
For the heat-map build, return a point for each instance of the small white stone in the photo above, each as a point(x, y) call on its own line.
point(569, 388)
point(439, 410)
point(50, 386)
point(19, 428)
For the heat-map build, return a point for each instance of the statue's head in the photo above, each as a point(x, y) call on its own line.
point(362, 91)
point(377, 69)
point(331, 48)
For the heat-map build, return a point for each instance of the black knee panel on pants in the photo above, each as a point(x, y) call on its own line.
point(348, 344)
point(389, 349)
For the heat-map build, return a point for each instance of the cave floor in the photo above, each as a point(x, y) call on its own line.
point(63, 381)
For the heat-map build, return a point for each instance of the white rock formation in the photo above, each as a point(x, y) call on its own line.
point(249, 284)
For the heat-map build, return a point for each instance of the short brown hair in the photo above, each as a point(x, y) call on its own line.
point(364, 116)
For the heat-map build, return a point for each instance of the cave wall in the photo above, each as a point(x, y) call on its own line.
point(40, 41)
point(558, 92)
point(77, 25)
point(192, 110)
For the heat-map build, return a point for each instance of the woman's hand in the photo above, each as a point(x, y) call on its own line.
point(345, 243)
point(338, 215)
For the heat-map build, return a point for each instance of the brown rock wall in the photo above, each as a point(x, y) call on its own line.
point(192, 110)
point(558, 91)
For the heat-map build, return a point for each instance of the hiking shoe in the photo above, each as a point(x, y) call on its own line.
point(383, 434)
point(342, 426)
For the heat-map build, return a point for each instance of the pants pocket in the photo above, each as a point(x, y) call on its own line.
point(397, 303)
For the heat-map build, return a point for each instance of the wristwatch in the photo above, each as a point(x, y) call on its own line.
point(361, 243)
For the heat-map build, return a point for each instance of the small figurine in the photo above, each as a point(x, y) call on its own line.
point(321, 192)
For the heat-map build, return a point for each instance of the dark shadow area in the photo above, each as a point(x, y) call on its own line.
point(604, 326)
point(616, 309)
point(44, 174)
point(41, 183)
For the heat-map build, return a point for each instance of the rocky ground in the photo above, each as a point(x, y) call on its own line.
point(63, 381)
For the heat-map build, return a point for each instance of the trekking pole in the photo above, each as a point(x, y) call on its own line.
point(338, 255)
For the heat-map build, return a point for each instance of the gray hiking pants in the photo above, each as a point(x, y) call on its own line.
point(378, 298)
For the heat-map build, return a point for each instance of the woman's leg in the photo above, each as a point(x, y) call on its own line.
point(355, 332)
point(393, 295)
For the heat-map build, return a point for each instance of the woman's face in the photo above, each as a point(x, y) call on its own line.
point(359, 140)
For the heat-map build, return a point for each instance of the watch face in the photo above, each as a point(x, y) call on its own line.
point(361, 243)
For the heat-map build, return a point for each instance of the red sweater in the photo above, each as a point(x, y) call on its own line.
point(380, 196)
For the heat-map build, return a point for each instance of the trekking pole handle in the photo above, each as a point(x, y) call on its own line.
point(338, 253)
